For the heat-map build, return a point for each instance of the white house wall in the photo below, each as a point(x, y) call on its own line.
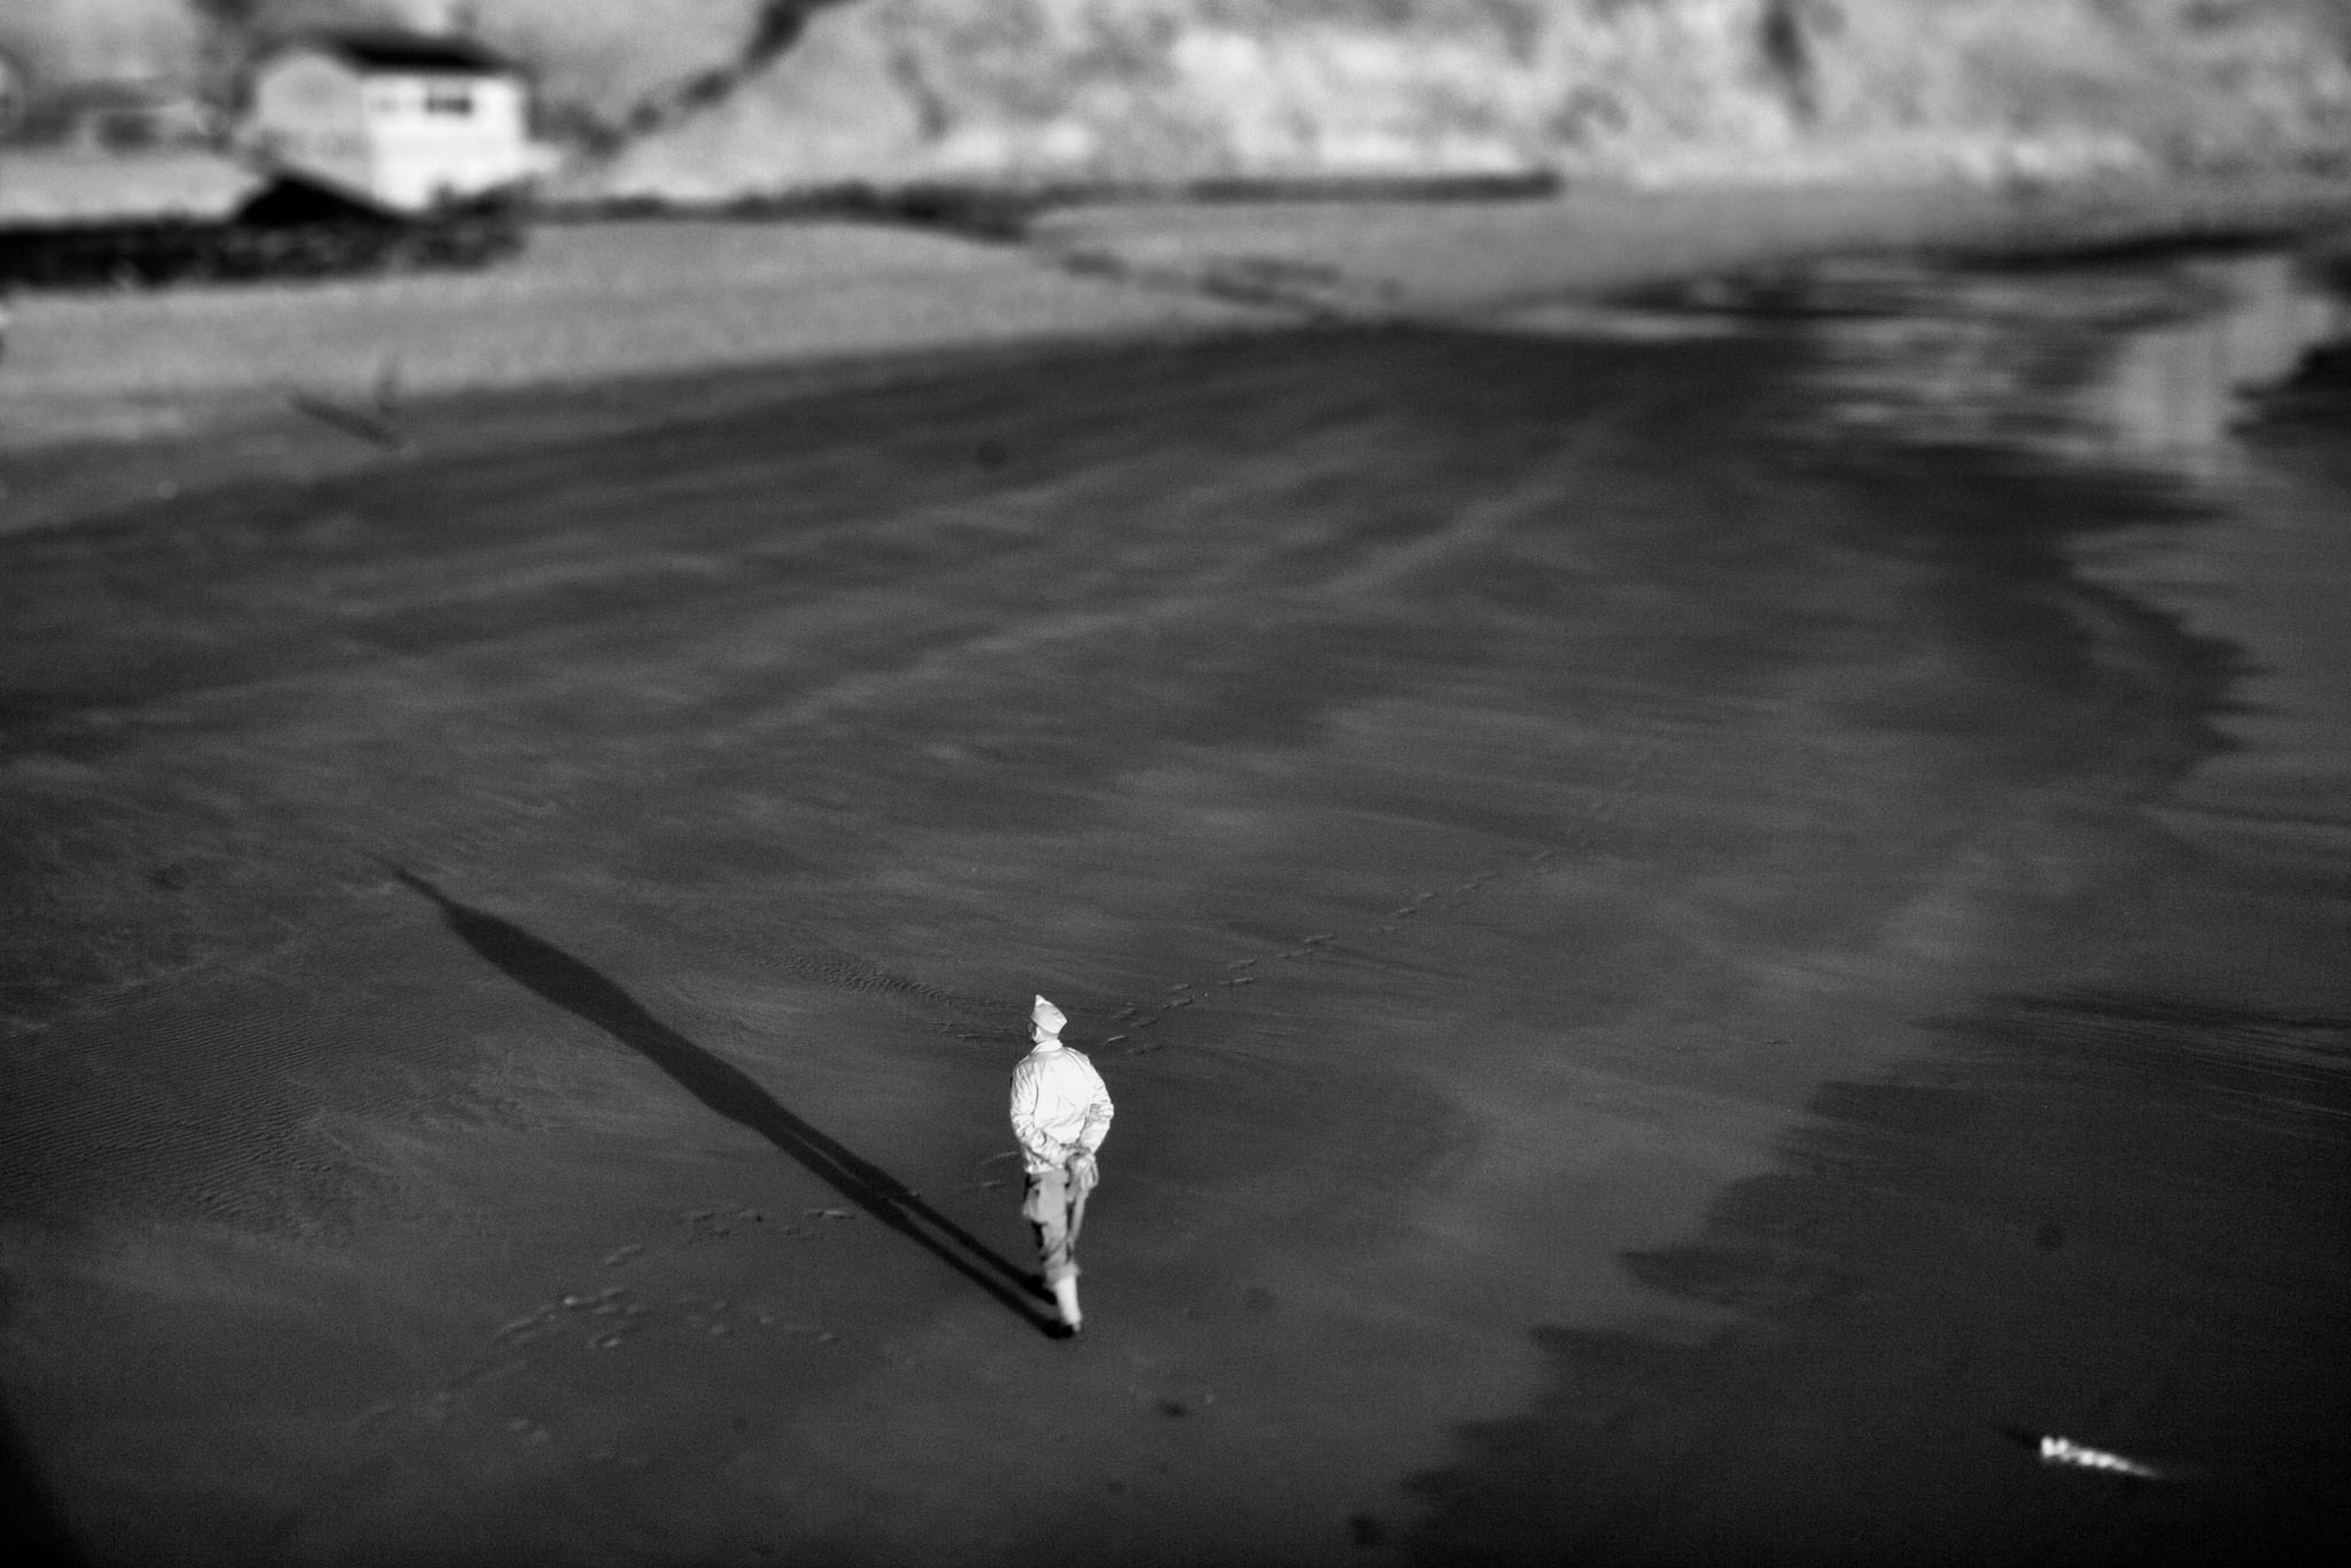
point(420, 156)
point(308, 116)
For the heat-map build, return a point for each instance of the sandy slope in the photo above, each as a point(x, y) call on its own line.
point(178, 386)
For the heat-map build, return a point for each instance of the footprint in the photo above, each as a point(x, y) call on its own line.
point(522, 1331)
point(572, 1303)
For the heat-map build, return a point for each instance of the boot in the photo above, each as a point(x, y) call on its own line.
point(1065, 1296)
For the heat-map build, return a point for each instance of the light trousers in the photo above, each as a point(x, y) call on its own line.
point(1054, 1206)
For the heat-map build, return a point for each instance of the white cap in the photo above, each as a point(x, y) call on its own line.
point(1047, 1016)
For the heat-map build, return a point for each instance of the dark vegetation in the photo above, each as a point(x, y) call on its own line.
point(289, 229)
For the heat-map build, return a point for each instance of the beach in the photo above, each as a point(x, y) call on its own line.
point(1711, 914)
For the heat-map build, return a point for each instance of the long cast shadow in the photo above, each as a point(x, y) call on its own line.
point(30, 1531)
point(573, 986)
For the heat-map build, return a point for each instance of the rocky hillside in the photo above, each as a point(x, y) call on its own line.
point(1662, 88)
point(712, 97)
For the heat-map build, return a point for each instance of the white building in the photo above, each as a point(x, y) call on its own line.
point(402, 120)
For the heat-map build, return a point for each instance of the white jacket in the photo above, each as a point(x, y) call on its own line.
point(1060, 1106)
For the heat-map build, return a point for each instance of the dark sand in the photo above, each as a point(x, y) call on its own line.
point(1682, 972)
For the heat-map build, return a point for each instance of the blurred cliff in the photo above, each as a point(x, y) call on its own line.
point(712, 97)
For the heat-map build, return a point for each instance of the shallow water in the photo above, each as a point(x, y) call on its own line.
point(2220, 376)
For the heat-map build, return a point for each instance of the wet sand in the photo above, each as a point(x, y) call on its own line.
point(526, 944)
point(2107, 1205)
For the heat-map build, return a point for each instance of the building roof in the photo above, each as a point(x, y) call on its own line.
point(386, 49)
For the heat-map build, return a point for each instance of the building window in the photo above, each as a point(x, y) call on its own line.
point(456, 101)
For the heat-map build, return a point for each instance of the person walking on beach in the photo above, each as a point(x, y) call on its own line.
point(1060, 1114)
